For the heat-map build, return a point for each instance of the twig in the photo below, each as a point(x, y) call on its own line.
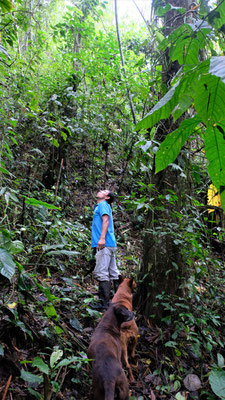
point(142, 15)
point(58, 373)
point(7, 387)
point(58, 180)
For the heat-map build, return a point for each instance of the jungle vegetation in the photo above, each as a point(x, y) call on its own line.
point(91, 100)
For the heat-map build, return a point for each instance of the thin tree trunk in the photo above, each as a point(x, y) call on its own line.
point(123, 65)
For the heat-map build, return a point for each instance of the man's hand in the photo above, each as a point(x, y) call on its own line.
point(101, 244)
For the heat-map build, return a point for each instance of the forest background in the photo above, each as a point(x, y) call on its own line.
point(90, 100)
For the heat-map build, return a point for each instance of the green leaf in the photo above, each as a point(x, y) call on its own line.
point(7, 265)
point(217, 382)
point(222, 197)
point(76, 324)
point(55, 142)
point(179, 396)
point(6, 5)
point(65, 252)
point(215, 153)
point(37, 395)
point(3, 50)
point(182, 41)
point(5, 171)
point(31, 378)
point(55, 357)
point(217, 16)
point(67, 361)
point(170, 344)
point(174, 141)
point(58, 330)
point(204, 7)
point(210, 99)
point(161, 11)
point(41, 365)
point(161, 110)
point(16, 247)
point(220, 360)
point(37, 203)
point(50, 311)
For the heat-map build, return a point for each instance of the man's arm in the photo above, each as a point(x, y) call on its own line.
point(105, 224)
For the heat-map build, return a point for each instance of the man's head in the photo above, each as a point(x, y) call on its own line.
point(105, 195)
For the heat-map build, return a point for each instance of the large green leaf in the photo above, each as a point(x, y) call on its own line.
point(13, 247)
point(7, 265)
point(174, 141)
point(215, 153)
point(183, 89)
point(210, 99)
point(217, 382)
point(31, 378)
point(187, 46)
point(217, 16)
point(41, 365)
point(6, 5)
point(161, 110)
point(37, 203)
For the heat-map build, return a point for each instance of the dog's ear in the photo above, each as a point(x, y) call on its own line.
point(123, 314)
point(120, 309)
point(121, 278)
point(132, 283)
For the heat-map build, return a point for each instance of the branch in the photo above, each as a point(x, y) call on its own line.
point(123, 64)
point(146, 22)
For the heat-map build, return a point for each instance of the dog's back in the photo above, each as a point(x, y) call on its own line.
point(123, 294)
point(128, 330)
point(105, 350)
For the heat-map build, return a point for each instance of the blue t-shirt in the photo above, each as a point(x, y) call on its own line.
point(102, 208)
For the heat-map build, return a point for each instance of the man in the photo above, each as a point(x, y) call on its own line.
point(103, 240)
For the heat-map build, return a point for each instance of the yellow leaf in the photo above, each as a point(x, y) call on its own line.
point(213, 197)
point(12, 305)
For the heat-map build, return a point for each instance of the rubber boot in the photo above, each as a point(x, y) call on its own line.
point(116, 283)
point(104, 296)
point(105, 288)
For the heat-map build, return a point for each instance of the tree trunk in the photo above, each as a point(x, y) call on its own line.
point(163, 269)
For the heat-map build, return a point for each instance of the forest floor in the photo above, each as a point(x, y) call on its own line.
point(77, 322)
point(159, 373)
point(48, 314)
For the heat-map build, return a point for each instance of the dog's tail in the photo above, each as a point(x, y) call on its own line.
point(109, 388)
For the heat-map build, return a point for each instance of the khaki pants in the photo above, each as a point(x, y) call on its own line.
point(106, 269)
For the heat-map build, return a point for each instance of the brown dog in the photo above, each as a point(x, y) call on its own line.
point(128, 330)
point(108, 375)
